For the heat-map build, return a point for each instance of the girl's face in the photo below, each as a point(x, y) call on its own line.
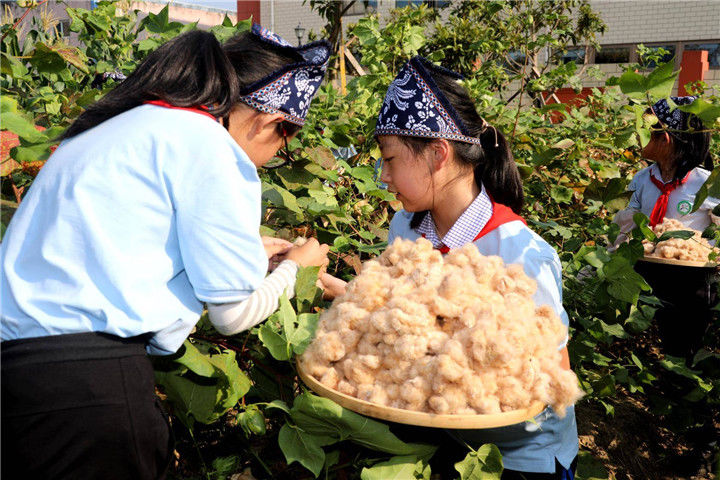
point(659, 148)
point(258, 134)
point(407, 174)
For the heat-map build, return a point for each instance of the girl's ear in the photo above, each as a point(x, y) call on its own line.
point(266, 123)
point(442, 153)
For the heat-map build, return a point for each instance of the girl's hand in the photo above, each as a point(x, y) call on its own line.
point(309, 254)
point(333, 287)
point(274, 249)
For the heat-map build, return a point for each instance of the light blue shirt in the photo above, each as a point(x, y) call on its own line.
point(130, 227)
point(528, 446)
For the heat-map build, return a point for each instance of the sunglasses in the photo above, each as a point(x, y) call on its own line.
point(283, 157)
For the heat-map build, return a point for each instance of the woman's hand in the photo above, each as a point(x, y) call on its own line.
point(275, 248)
point(333, 287)
point(309, 254)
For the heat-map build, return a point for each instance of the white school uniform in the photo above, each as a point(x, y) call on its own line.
point(680, 201)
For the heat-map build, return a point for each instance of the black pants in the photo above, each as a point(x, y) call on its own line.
point(688, 295)
point(81, 406)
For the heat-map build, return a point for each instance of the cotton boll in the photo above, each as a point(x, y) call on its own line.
point(475, 390)
point(357, 373)
point(489, 405)
point(415, 393)
point(436, 340)
point(439, 404)
point(455, 397)
point(411, 347)
point(331, 378)
point(330, 347)
point(370, 361)
point(347, 388)
point(449, 369)
point(314, 365)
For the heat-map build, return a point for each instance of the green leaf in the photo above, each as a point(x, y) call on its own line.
point(279, 405)
point(31, 153)
point(633, 85)
point(707, 112)
point(561, 194)
point(397, 468)
point(683, 234)
point(9, 65)
point(616, 330)
point(302, 448)
point(711, 184)
point(305, 332)
point(8, 104)
point(590, 468)
point(53, 59)
point(307, 294)
point(274, 342)
point(484, 463)
point(624, 283)
point(24, 129)
point(644, 231)
point(280, 197)
point(660, 81)
point(322, 417)
point(192, 401)
point(564, 144)
point(194, 360)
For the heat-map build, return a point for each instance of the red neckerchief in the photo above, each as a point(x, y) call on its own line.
point(201, 109)
point(658, 213)
point(501, 215)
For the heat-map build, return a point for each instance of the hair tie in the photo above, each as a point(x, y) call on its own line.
point(486, 125)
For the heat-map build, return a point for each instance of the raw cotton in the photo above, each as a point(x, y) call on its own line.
point(453, 335)
point(694, 249)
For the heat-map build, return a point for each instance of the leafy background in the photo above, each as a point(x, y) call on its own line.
point(238, 408)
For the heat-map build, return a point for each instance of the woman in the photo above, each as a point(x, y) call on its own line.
point(149, 209)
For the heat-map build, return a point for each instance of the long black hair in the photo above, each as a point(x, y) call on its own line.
point(492, 161)
point(691, 146)
point(190, 70)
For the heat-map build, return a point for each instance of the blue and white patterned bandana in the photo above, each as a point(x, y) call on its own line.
point(415, 106)
point(676, 119)
point(290, 90)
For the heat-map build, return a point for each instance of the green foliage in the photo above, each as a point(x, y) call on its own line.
point(576, 162)
point(201, 382)
point(485, 463)
point(317, 422)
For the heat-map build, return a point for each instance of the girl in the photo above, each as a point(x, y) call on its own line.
point(149, 209)
point(667, 189)
point(458, 183)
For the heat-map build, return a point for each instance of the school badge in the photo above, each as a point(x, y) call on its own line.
point(684, 207)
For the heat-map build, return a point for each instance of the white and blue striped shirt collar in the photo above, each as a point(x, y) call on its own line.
point(465, 229)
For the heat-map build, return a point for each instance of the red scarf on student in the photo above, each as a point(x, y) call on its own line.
point(201, 109)
point(658, 213)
